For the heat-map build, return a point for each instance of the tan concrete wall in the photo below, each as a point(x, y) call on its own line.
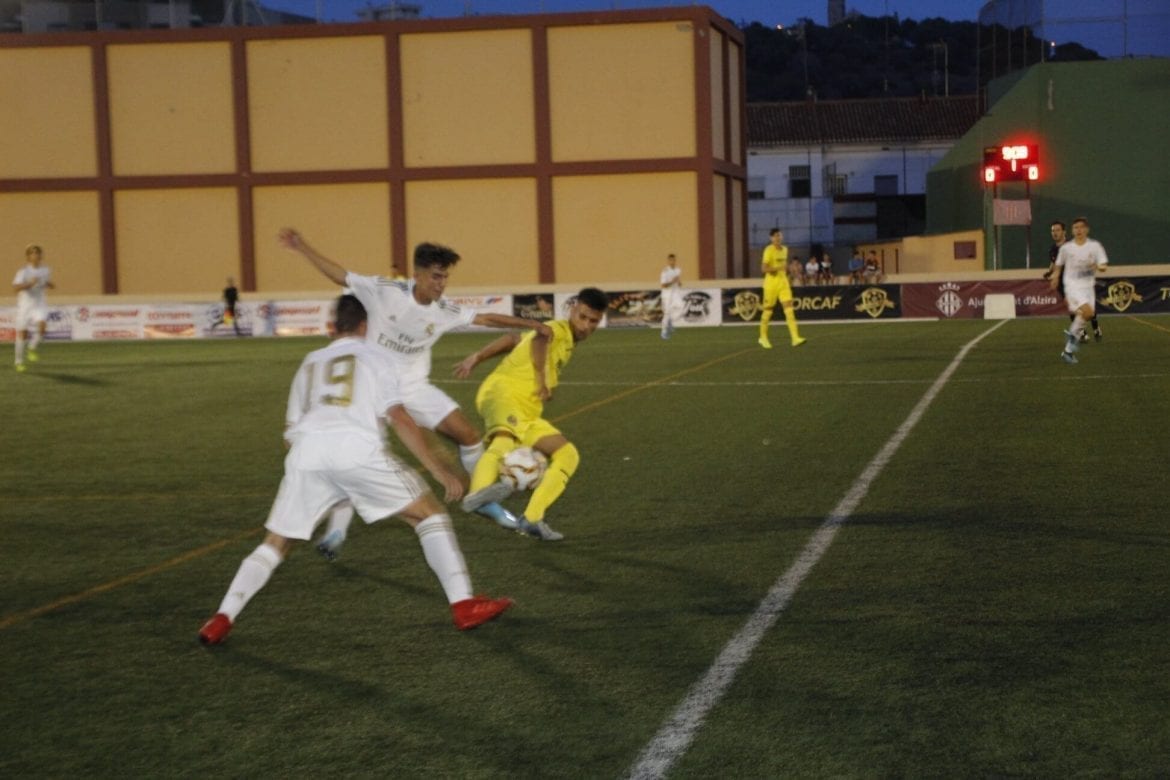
point(554, 149)
point(46, 113)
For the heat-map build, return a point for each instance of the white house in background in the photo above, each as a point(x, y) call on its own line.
point(842, 172)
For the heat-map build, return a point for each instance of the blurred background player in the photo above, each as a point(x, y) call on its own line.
point(1059, 236)
point(776, 287)
point(231, 296)
point(339, 452)
point(511, 401)
point(32, 309)
point(670, 280)
point(1077, 264)
point(406, 318)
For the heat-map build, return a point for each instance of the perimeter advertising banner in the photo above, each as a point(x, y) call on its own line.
point(831, 302)
point(643, 308)
point(964, 300)
point(483, 304)
point(108, 321)
point(1134, 294)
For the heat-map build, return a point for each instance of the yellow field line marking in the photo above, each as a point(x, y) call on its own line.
point(648, 385)
point(1149, 324)
point(20, 617)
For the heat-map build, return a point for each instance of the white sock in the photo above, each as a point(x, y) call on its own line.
point(1078, 326)
point(252, 575)
point(19, 348)
point(340, 516)
point(469, 456)
point(35, 340)
point(441, 549)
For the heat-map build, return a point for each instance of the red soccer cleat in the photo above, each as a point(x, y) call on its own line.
point(478, 610)
point(215, 630)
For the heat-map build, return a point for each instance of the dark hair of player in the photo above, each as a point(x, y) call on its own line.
point(593, 298)
point(350, 314)
point(1056, 222)
point(427, 255)
point(1082, 220)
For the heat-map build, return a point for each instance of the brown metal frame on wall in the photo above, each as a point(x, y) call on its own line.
point(706, 163)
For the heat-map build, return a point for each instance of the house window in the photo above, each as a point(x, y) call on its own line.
point(837, 184)
point(885, 185)
point(799, 181)
point(756, 189)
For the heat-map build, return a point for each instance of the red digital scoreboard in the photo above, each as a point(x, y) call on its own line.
point(1011, 162)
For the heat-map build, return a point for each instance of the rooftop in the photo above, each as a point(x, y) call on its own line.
point(899, 119)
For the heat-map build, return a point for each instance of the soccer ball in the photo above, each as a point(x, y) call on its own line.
point(523, 467)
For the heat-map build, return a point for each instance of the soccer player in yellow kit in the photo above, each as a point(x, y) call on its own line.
point(511, 402)
point(775, 262)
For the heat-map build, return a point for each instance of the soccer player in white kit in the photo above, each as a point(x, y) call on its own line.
point(1080, 260)
point(406, 318)
point(670, 280)
point(30, 284)
point(339, 453)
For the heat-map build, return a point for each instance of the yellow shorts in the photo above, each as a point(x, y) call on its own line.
point(776, 287)
point(503, 414)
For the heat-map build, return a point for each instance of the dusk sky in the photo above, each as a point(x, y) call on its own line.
point(764, 11)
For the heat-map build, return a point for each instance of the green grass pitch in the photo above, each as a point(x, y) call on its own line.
point(997, 605)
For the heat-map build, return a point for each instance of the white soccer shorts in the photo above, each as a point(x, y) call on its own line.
point(1077, 296)
point(323, 469)
point(427, 404)
point(28, 316)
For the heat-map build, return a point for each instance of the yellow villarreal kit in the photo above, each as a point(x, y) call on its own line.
point(776, 277)
point(507, 399)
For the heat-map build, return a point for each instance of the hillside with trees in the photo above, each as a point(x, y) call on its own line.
point(867, 57)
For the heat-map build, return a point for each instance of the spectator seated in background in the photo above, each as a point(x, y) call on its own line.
point(795, 272)
point(812, 270)
point(873, 271)
point(856, 267)
point(826, 270)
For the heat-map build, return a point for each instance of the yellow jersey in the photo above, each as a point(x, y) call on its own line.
point(775, 260)
point(515, 376)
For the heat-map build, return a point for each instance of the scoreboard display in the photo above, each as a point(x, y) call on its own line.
point(1011, 162)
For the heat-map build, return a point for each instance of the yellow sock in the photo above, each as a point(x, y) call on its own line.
point(562, 466)
point(487, 469)
point(790, 319)
point(765, 318)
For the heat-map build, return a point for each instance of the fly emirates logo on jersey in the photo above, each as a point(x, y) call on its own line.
point(400, 342)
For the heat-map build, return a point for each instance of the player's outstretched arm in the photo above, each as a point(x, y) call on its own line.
point(489, 319)
point(501, 345)
point(409, 434)
point(291, 239)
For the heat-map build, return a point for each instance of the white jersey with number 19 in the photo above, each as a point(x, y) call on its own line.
point(345, 387)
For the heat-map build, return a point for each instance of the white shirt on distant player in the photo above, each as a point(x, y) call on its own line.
point(35, 295)
point(405, 329)
point(1081, 262)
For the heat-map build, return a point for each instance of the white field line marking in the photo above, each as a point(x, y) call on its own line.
point(676, 735)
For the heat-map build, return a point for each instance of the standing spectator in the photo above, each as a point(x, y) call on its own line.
point(32, 309)
point(339, 452)
point(671, 282)
point(1077, 264)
